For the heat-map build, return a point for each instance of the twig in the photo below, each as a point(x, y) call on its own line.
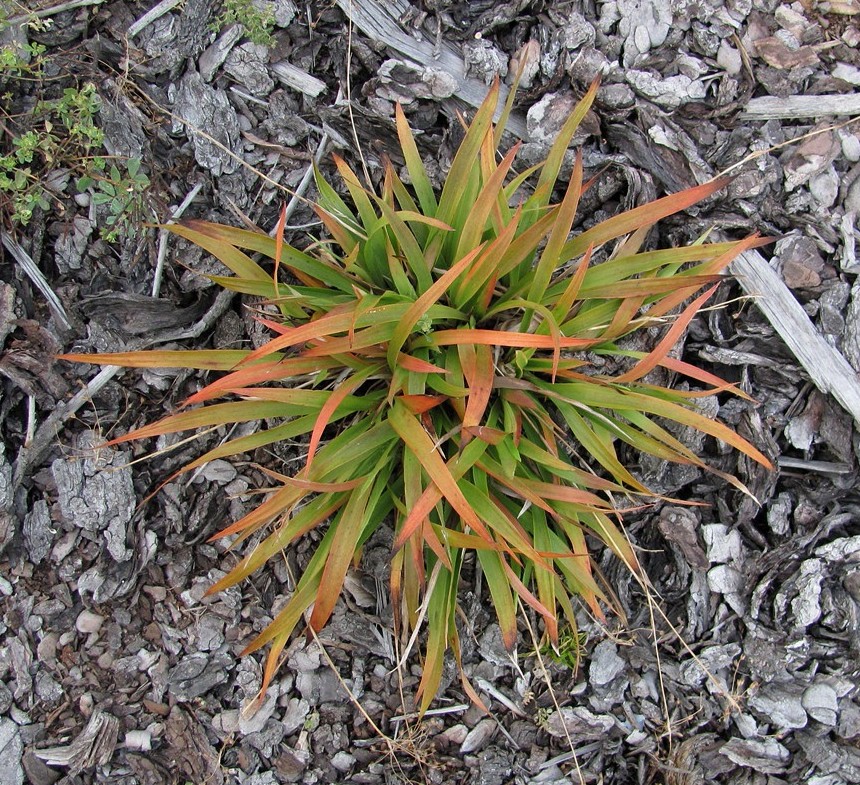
point(828, 369)
point(162, 240)
point(37, 278)
point(43, 13)
point(807, 106)
point(165, 6)
point(306, 179)
point(31, 419)
point(374, 19)
point(822, 467)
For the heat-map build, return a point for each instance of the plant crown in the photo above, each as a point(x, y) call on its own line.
point(446, 357)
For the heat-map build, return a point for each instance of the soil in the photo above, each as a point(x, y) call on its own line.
point(742, 668)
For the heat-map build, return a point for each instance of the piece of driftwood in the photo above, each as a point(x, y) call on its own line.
point(294, 77)
point(827, 368)
point(774, 108)
point(375, 20)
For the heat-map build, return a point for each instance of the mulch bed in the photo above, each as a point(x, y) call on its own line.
point(114, 668)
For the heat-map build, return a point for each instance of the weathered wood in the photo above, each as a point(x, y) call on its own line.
point(794, 106)
point(375, 20)
point(298, 79)
point(827, 368)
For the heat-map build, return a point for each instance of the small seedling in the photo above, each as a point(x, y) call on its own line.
point(122, 193)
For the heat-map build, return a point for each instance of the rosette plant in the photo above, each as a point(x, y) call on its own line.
point(445, 357)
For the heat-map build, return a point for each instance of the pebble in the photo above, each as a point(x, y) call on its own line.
point(605, 664)
point(819, 700)
point(11, 750)
point(251, 721)
point(46, 650)
point(824, 187)
point(295, 715)
point(850, 145)
point(5, 698)
point(478, 737)
point(88, 622)
point(729, 58)
point(343, 761)
point(158, 593)
point(578, 723)
point(196, 674)
point(728, 581)
point(849, 722)
point(138, 740)
point(226, 722)
point(455, 735)
point(723, 544)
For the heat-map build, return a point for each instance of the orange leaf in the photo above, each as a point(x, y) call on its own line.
point(477, 363)
point(421, 445)
point(661, 350)
point(418, 404)
point(519, 340)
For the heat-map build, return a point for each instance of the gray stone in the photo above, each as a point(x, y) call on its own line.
point(710, 660)
point(11, 750)
point(546, 118)
point(485, 60)
point(478, 737)
point(343, 761)
point(644, 25)
point(722, 544)
point(729, 58)
point(196, 674)
point(780, 704)
point(820, 703)
point(605, 664)
point(88, 622)
point(730, 582)
point(668, 93)
point(824, 187)
point(578, 723)
point(295, 715)
point(255, 722)
point(47, 689)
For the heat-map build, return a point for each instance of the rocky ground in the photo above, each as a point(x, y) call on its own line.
point(113, 666)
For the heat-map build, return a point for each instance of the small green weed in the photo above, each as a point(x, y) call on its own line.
point(258, 20)
point(58, 137)
point(569, 649)
point(122, 192)
point(60, 133)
